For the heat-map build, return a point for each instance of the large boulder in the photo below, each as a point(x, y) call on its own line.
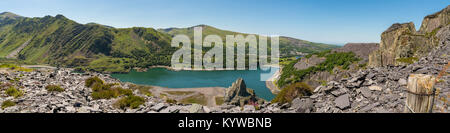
point(343, 101)
point(239, 94)
point(302, 105)
point(401, 44)
point(399, 41)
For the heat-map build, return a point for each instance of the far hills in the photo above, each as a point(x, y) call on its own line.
point(288, 46)
point(59, 41)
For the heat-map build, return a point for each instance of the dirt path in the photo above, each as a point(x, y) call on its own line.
point(271, 82)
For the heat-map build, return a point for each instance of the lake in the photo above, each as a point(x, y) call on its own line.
point(194, 79)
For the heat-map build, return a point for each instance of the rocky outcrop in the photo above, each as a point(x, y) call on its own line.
point(362, 50)
point(402, 42)
point(399, 41)
point(435, 21)
point(239, 94)
point(305, 63)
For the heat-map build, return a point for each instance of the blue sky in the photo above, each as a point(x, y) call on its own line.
point(327, 21)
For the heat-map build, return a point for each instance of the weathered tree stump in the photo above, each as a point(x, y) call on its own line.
point(420, 93)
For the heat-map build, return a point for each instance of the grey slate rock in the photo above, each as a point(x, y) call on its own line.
point(342, 101)
point(158, 107)
point(366, 92)
point(302, 105)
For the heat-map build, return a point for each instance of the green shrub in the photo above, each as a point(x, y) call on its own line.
point(219, 100)
point(92, 80)
point(100, 86)
point(8, 103)
point(323, 83)
point(198, 99)
point(7, 66)
point(56, 88)
point(408, 60)
point(257, 107)
point(291, 75)
point(12, 91)
point(130, 102)
point(319, 54)
point(109, 93)
point(293, 91)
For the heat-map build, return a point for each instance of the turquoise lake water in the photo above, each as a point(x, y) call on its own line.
point(193, 79)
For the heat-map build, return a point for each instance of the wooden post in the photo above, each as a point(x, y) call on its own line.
point(420, 93)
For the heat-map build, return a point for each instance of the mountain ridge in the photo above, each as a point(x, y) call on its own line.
point(9, 15)
point(288, 45)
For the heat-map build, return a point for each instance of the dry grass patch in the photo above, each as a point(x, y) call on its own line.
point(219, 100)
point(198, 99)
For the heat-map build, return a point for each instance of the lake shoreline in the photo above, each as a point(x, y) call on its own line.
point(271, 82)
point(165, 77)
point(174, 69)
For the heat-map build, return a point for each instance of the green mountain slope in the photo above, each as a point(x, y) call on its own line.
point(59, 41)
point(9, 15)
point(288, 46)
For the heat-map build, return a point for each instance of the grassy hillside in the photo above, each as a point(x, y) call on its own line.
point(59, 41)
point(333, 59)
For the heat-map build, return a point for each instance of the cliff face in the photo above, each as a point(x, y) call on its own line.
point(436, 20)
point(305, 63)
point(401, 43)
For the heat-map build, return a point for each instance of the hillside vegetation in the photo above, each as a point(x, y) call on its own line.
point(288, 46)
point(341, 60)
